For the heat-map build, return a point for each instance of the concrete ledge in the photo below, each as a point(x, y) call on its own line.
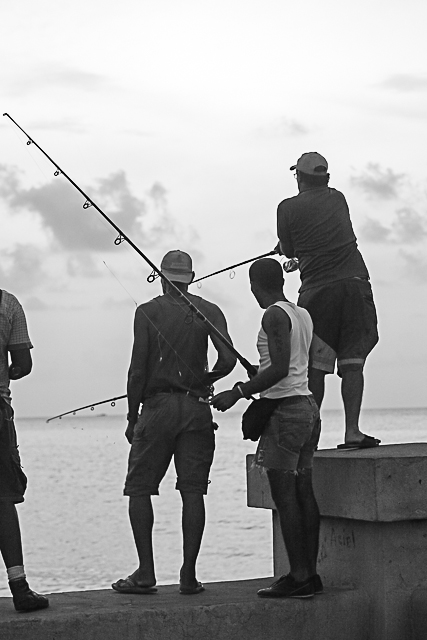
point(226, 610)
point(383, 484)
point(419, 613)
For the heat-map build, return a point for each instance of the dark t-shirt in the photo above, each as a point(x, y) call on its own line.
point(315, 227)
point(178, 342)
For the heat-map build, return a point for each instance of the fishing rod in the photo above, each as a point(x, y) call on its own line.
point(153, 276)
point(122, 237)
point(88, 406)
point(264, 255)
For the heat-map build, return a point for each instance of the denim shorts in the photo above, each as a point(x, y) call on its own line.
point(291, 437)
point(13, 481)
point(344, 324)
point(171, 425)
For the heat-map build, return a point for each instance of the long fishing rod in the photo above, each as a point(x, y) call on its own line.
point(91, 406)
point(233, 266)
point(123, 237)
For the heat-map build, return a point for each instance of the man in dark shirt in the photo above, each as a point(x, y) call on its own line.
point(314, 227)
point(169, 375)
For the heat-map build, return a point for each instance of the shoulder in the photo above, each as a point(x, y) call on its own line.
point(209, 309)
point(338, 195)
point(276, 316)
point(9, 299)
point(11, 305)
point(287, 203)
point(148, 308)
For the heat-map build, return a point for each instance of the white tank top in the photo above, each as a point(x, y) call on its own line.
point(296, 382)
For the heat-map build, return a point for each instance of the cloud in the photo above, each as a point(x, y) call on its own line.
point(21, 268)
point(415, 266)
point(283, 127)
point(407, 227)
point(57, 76)
point(380, 183)
point(405, 83)
point(35, 304)
point(82, 264)
point(60, 208)
point(374, 231)
point(75, 239)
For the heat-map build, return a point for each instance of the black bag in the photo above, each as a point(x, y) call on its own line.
point(12, 478)
point(256, 416)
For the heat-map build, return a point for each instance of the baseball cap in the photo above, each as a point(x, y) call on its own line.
point(312, 163)
point(177, 266)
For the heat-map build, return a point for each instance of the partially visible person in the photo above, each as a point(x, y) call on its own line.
point(169, 377)
point(287, 444)
point(14, 342)
point(315, 228)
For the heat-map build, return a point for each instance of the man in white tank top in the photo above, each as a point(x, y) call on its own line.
point(288, 442)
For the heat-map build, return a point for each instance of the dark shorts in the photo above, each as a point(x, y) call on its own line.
point(171, 425)
point(13, 481)
point(344, 322)
point(291, 436)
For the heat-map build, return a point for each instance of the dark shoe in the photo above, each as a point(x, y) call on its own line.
point(317, 584)
point(24, 599)
point(288, 587)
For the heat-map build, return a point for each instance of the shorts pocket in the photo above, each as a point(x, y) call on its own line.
point(293, 435)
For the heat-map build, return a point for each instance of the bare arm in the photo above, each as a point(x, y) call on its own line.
point(226, 360)
point(277, 325)
point(21, 363)
point(137, 373)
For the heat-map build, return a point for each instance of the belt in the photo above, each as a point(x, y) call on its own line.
point(155, 392)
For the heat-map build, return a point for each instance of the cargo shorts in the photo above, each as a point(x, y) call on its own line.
point(171, 425)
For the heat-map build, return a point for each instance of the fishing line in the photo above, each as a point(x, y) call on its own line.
point(122, 285)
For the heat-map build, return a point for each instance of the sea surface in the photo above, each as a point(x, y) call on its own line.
point(74, 520)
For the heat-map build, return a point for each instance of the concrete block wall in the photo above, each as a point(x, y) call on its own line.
point(373, 536)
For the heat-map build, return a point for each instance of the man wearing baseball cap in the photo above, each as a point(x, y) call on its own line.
point(314, 229)
point(169, 377)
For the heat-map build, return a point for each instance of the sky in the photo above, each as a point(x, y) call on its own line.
point(180, 119)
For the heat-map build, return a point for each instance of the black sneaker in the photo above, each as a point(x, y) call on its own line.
point(288, 587)
point(317, 584)
point(24, 599)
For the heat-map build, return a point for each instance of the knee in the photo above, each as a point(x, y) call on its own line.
point(283, 486)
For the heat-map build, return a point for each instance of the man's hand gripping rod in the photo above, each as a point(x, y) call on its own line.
point(123, 237)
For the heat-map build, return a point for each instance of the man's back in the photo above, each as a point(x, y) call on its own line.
point(178, 344)
point(315, 227)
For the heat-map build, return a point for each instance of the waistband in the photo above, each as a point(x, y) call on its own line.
point(169, 390)
point(290, 399)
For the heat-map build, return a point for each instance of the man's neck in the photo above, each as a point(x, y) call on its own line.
point(308, 187)
point(272, 298)
point(171, 291)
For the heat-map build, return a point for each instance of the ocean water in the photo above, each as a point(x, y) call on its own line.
point(74, 521)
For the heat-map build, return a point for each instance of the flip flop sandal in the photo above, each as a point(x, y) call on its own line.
point(367, 443)
point(128, 585)
point(191, 591)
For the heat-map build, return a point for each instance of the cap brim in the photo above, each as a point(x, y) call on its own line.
point(186, 278)
point(294, 166)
